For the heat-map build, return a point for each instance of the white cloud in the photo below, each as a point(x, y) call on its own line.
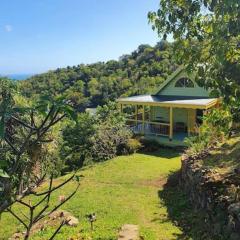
point(8, 28)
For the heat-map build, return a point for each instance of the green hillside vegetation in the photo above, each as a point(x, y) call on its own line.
point(140, 72)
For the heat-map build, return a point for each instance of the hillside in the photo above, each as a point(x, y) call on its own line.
point(124, 190)
point(140, 72)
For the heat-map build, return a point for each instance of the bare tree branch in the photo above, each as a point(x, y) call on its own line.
point(11, 145)
point(47, 117)
point(26, 184)
point(18, 218)
point(23, 123)
point(64, 222)
point(55, 188)
point(59, 205)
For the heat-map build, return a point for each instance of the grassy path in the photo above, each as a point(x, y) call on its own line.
point(123, 190)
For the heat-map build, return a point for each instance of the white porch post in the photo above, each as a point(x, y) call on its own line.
point(143, 122)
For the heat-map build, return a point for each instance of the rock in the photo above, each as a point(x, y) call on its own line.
point(234, 209)
point(213, 191)
point(72, 221)
point(129, 232)
point(234, 236)
point(60, 214)
point(53, 220)
point(62, 198)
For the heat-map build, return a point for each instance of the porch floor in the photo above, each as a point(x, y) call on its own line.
point(177, 140)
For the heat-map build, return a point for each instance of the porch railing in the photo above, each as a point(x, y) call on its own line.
point(155, 128)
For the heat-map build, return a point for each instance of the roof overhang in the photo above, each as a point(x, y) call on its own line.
point(170, 101)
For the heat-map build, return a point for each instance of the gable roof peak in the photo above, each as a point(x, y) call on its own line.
point(170, 78)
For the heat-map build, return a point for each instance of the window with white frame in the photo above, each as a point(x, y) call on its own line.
point(184, 83)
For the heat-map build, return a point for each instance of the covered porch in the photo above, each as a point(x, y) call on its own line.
point(167, 119)
point(159, 133)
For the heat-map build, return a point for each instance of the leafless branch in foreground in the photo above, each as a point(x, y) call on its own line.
point(36, 214)
point(34, 132)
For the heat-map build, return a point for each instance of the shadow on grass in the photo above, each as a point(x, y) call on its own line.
point(164, 153)
point(181, 213)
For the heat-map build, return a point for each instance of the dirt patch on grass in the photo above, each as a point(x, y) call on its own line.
point(158, 183)
point(53, 220)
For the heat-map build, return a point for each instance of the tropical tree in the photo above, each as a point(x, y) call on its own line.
point(95, 84)
point(25, 130)
point(207, 35)
point(76, 147)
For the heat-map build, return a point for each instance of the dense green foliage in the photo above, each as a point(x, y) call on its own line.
point(214, 131)
point(207, 35)
point(26, 161)
point(101, 137)
point(95, 138)
point(26, 138)
point(76, 146)
point(95, 84)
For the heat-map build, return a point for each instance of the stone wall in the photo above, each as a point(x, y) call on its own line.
point(216, 194)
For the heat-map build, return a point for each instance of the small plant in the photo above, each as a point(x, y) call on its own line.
point(197, 145)
point(133, 145)
point(91, 218)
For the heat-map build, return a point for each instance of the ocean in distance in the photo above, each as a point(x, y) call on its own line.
point(19, 76)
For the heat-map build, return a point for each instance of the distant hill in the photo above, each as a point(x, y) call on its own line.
point(90, 85)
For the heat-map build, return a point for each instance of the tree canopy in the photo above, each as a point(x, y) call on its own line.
point(91, 85)
point(207, 35)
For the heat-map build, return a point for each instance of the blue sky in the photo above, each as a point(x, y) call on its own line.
point(39, 35)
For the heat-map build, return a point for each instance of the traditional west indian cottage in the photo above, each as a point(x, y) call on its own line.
point(174, 112)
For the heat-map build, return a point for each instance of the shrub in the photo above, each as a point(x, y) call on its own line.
point(111, 135)
point(216, 127)
point(133, 145)
point(77, 141)
point(149, 145)
point(197, 145)
point(220, 120)
point(109, 141)
point(95, 138)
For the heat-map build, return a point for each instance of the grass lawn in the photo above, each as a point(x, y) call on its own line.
point(123, 190)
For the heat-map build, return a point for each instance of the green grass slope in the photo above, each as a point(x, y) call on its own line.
point(123, 190)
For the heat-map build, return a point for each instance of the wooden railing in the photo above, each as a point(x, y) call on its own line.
point(158, 128)
point(155, 128)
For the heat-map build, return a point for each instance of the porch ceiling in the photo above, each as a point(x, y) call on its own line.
point(170, 101)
